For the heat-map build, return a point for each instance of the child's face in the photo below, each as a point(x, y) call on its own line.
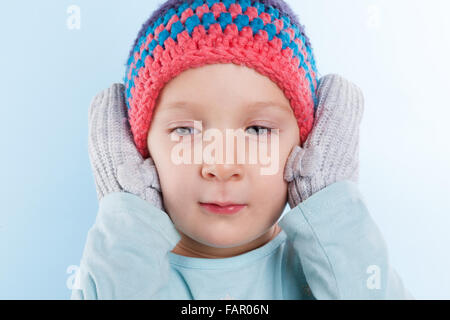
point(221, 97)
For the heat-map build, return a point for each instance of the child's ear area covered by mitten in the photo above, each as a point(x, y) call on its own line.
point(117, 165)
point(302, 163)
point(331, 151)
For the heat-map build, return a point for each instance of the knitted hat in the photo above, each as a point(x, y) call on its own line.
point(264, 35)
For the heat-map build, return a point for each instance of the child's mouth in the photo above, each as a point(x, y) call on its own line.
point(223, 208)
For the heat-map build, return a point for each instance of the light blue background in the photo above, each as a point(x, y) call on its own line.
point(396, 51)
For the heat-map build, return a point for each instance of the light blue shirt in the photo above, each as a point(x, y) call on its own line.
point(330, 248)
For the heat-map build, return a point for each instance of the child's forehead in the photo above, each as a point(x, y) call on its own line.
point(244, 107)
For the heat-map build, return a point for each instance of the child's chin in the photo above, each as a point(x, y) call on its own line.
point(224, 238)
point(225, 242)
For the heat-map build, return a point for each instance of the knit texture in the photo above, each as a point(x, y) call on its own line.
point(331, 152)
point(116, 164)
point(264, 35)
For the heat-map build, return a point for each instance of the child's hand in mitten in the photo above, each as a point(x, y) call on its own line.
point(331, 151)
point(116, 163)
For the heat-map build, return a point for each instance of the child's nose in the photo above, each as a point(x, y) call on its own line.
point(222, 172)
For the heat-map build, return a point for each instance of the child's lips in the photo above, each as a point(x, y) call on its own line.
point(223, 208)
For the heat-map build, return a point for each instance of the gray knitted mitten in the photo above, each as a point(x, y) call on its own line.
point(331, 151)
point(115, 161)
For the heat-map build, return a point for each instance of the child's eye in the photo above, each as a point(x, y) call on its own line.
point(182, 131)
point(264, 130)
